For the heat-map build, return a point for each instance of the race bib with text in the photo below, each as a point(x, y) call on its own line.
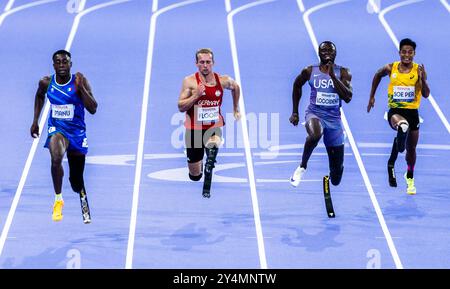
point(327, 99)
point(64, 111)
point(404, 93)
point(208, 114)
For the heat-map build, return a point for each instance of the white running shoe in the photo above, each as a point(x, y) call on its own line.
point(297, 176)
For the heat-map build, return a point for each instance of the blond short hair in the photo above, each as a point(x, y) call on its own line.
point(204, 51)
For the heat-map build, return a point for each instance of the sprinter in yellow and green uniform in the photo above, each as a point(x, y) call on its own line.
point(408, 83)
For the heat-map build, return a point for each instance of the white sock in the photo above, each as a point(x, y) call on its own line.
point(58, 197)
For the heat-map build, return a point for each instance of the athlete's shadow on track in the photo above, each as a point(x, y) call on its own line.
point(407, 209)
point(314, 242)
point(190, 236)
point(51, 258)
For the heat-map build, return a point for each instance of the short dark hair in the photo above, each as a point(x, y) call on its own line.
point(327, 42)
point(407, 41)
point(203, 51)
point(63, 52)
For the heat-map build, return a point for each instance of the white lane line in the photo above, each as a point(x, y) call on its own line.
point(301, 6)
point(375, 6)
point(84, 12)
point(42, 121)
point(389, 145)
point(228, 6)
point(351, 139)
point(9, 5)
point(446, 5)
point(394, 39)
point(140, 149)
point(248, 153)
point(8, 11)
point(361, 145)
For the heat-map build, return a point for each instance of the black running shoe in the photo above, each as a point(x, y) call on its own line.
point(391, 174)
point(401, 139)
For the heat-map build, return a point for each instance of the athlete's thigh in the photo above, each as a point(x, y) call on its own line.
point(58, 145)
point(395, 119)
point(314, 127)
point(333, 133)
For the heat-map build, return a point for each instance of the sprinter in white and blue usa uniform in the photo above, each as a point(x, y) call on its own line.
point(68, 94)
point(330, 84)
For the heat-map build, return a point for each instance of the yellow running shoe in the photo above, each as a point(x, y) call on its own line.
point(411, 190)
point(57, 210)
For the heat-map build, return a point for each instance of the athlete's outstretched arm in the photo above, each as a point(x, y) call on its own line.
point(229, 83)
point(189, 94)
point(299, 81)
point(343, 86)
point(382, 72)
point(423, 81)
point(85, 92)
point(39, 100)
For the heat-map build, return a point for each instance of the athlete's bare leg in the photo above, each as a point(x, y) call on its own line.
point(400, 124)
point(195, 169)
point(57, 146)
point(411, 144)
point(315, 132)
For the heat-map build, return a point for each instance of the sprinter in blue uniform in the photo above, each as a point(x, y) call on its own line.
point(68, 94)
point(330, 84)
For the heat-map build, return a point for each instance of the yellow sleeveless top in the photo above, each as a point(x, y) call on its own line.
point(403, 90)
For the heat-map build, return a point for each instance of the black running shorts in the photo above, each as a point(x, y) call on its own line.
point(195, 141)
point(411, 116)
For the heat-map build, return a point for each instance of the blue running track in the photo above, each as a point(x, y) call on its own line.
point(146, 212)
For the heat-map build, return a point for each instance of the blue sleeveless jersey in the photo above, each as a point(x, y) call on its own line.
point(67, 109)
point(324, 100)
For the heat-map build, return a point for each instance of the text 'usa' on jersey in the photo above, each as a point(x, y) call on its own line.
point(67, 108)
point(324, 99)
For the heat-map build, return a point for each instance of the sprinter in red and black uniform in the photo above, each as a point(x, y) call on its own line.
point(201, 98)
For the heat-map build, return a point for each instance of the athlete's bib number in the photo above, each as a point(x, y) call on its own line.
point(327, 99)
point(207, 114)
point(64, 112)
point(404, 94)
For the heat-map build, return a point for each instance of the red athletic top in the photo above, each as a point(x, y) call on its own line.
point(205, 113)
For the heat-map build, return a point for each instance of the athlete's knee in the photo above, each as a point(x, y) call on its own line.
point(314, 138)
point(213, 142)
point(76, 165)
point(403, 125)
point(195, 170)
